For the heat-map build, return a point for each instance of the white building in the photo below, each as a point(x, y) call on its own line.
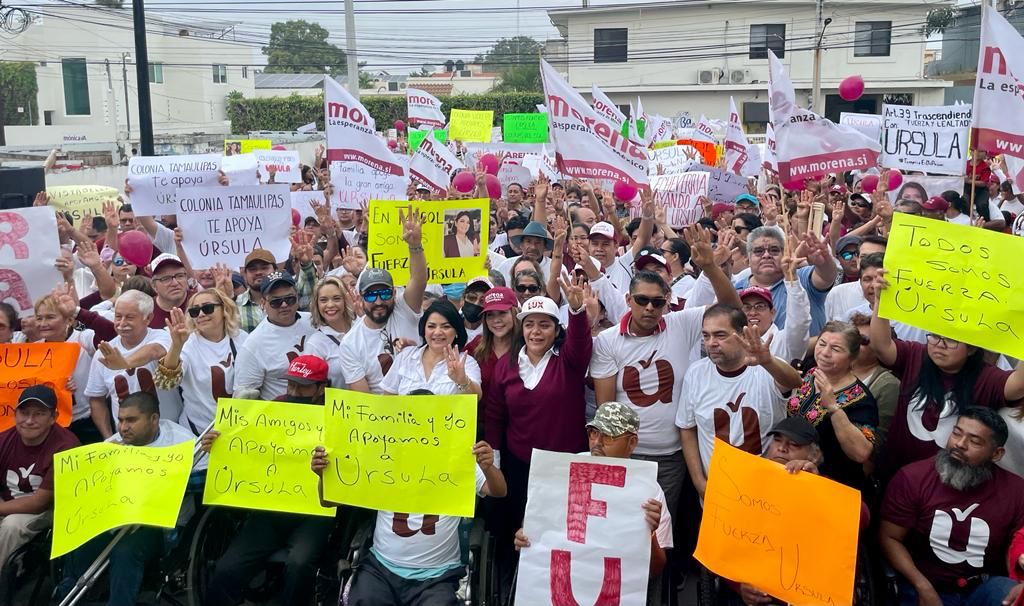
point(690, 57)
point(84, 59)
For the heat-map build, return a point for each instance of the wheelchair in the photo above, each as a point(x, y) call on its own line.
point(26, 577)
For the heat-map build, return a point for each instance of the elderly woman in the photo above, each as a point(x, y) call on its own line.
point(527, 284)
point(839, 405)
point(331, 315)
point(202, 356)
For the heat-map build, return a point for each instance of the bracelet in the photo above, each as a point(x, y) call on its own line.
point(464, 388)
point(415, 249)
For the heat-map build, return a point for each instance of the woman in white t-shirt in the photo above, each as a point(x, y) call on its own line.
point(332, 316)
point(204, 348)
point(438, 365)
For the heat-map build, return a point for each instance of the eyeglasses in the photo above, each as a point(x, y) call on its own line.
point(371, 296)
point(771, 250)
point(119, 262)
point(527, 289)
point(756, 307)
point(860, 204)
point(846, 255)
point(740, 227)
point(178, 277)
point(389, 343)
point(943, 342)
point(667, 252)
point(279, 302)
point(644, 301)
point(206, 309)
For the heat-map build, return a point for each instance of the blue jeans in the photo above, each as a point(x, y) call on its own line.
point(989, 593)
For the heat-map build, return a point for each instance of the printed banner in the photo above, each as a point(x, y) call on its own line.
point(102, 486)
point(471, 125)
point(23, 365)
point(284, 164)
point(589, 540)
point(606, 109)
point(424, 108)
point(747, 533)
point(240, 169)
point(680, 195)
point(998, 126)
point(156, 180)
point(926, 139)
point(78, 200)
point(433, 165)
point(261, 458)
point(412, 454)
point(235, 147)
point(454, 239)
point(660, 128)
point(356, 184)
point(868, 124)
point(705, 131)
point(807, 145)
point(921, 187)
point(770, 159)
point(956, 281)
point(525, 128)
point(29, 248)
point(740, 157)
point(588, 146)
point(352, 132)
point(224, 224)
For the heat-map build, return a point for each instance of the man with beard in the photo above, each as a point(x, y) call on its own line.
point(368, 350)
point(535, 243)
point(948, 521)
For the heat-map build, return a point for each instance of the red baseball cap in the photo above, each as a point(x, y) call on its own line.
point(499, 298)
point(760, 293)
point(308, 370)
point(936, 204)
point(721, 207)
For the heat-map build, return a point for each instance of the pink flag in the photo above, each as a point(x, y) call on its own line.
point(740, 157)
point(807, 145)
point(352, 133)
point(424, 108)
point(999, 95)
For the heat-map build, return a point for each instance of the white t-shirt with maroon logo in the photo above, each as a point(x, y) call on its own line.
point(207, 373)
point(649, 373)
point(263, 360)
point(363, 352)
point(117, 384)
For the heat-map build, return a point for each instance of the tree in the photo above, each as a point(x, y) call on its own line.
point(424, 72)
point(516, 60)
point(301, 47)
point(940, 19)
point(18, 88)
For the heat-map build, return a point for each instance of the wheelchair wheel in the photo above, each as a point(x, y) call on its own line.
point(707, 588)
point(212, 537)
point(864, 579)
point(28, 576)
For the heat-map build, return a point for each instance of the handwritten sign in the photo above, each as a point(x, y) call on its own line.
point(407, 453)
point(868, 124)
point(928, 139)
point(261, 458)
point(471, 125)
point(80, 199)
point(156, 180)
point(26, 364)
point(389, 251)
point(284, 164)
point(680, 196)
point(417, 136)
point(589, 541)
point(525, 128)
point(672, 159)
point(747, 532)
point(28, 250)
point(224, 224)
point(723, 186)
point(234, 147)
point(957, 281)
point(355, 184)
point(102, 486)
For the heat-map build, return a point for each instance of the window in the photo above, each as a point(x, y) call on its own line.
point(76, 87)
point(767, 37)
point(220, 74)
point(245, 71)
point(156, 73)
point(610, 45)
point(393, 86)
point(872, 39)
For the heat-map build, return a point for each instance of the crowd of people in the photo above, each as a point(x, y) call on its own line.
point(599, 328)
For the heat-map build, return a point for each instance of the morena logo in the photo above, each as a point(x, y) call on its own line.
point(354, 114)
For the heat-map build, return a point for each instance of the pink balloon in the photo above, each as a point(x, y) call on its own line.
point(400, 126)
point(296, 218)
point(279, 148)
point(490, 164)
point(870, 183)
point(465, 181)
point(851, 88)
point(392, 144)
point(135, 247)
point(895, 179)
point(624, 191)
point(493, 187)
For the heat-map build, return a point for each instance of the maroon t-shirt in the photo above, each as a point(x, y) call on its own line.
point(917, 434)
point(27, 468)
point(955, 535)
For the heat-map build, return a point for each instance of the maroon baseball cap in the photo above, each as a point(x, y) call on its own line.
point(308, 370)
point(757, 291)
point(721, 207)
point(499, 298)
point(936, 204)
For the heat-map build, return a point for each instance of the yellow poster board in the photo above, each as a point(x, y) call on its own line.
point(957, 281)
point(234, 147)
point(102, 486)
point(411, 454)
point(446, 262)
point(81, 199)
point(751, 531)
point(468, 125)
point(261, 458)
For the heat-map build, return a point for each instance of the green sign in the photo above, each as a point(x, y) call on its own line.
point(525, 128)
point(417, 136)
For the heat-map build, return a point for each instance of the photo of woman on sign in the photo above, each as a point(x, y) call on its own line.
point(462, 238)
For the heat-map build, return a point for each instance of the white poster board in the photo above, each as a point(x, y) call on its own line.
point(680, 196)
point(240, 169)
point(285, 165)
point(868, 124)
point(672, 160)
point(355, 184)
point(155, 180)
point(29, 247)
point(931, 139)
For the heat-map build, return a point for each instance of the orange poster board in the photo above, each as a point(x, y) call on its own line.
point(708, 151)
point(26, 364)
point(793, 536)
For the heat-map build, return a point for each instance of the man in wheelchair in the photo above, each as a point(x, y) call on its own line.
point(415, 559)
point(138, 424)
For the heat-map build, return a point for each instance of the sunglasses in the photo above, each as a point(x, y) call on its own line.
point(371, 296)
point(860, 204)
point(120, 262)
point(279, 302)
point(644, 301)
point(846, 255)
point(206, 309)
point(527, 288)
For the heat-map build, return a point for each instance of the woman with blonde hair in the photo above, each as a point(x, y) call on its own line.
point(204, 347)
point(331, 314)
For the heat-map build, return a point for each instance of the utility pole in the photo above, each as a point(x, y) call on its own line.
point(350, 49)
point(127, 108)
point(817, 104)
point(142, 77)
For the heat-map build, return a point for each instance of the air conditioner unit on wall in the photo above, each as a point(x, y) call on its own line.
point(709, 76)
point(738, 76)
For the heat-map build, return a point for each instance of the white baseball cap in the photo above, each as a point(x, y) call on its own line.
point(164, 258)
point(604, 229)
point(539, 305)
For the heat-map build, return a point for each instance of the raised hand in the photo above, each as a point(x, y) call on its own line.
point(112, 357)
point(302, 247)
point(788, 261)
point(412, 226)
point(838, 210)
point(573, 289)
point(177, 328)
point(223, 178)
point(701, 253)
point(41, 199)
point(110, 212)
point(456, 364)
point(484, 455)
point(758, 351)
point(222, 279)
point(540, 189)
point(65, 265)
point(66, 303)
point(825, 390)
point(591, 303)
